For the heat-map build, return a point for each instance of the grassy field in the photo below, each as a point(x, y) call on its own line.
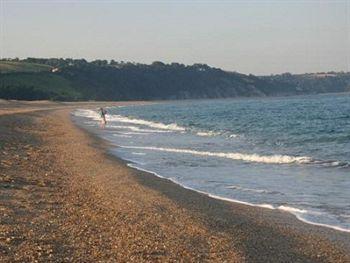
point(12, 66)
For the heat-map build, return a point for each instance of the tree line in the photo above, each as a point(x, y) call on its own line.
point(79, 79)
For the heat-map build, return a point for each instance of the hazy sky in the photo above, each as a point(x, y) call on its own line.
point(259, 37)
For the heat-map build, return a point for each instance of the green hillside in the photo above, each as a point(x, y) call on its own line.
point(17, 66)
point(36, 86)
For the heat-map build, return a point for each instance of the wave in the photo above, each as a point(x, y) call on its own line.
point(302, 213)
point(272, 159)
point(345, 215)
point(134, 133)
point(118, 118)
point(161, 127)
point(121, 135)
point(136, 129)
point(207, 133)
point(332, 163)
point(137, 153)
point(87, 114)
point(260, 191)
point(292, 209)
point(158, 125)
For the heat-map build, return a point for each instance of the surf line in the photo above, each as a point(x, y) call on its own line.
point(272, 159)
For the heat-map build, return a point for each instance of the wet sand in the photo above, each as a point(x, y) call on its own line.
point(64, 199)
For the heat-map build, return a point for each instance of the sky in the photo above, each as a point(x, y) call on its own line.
point(257, 37)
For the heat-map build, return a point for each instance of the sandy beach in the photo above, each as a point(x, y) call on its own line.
point(64, 199)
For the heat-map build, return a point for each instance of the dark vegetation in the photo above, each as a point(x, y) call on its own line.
point(77, 79)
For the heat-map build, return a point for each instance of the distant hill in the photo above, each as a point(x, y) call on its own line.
point(312, 83)
point(17, 66)
point(77, 79)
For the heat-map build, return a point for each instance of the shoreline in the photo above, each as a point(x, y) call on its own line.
point(283, 208)
point(300, 224)
point(324, 228)
point(98, 208)
point(265, 206)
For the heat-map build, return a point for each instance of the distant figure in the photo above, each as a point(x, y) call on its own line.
point(103, 116)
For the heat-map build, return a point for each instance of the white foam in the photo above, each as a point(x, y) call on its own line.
point(207, 133)
point(134, 162)
point(335, 163)
point(272, 159)
point(321, 224)
point(144, 170)
point(87, 114)
point(135, 133)
point(137, 153)
point(345, 215)
point(268, 206)
point(119, 118)
point(135, 128)
point(122, 135)
point(301, 213)
point(292, 209)
point(261, 191)
point(158, 125)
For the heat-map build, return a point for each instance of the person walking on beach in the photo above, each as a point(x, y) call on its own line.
point(103, 116)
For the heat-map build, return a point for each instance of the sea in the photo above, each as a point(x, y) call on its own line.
point(285, 153)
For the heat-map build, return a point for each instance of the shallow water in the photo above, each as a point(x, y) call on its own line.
point(291, 154)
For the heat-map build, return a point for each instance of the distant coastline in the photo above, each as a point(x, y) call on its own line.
point(79, 80)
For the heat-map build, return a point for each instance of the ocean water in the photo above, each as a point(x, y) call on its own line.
point(290, 153)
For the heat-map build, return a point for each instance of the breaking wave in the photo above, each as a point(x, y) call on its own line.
point(272, 159)
point(157, 125)
point(207, 133)
point(118, 118)
point(260, 191)
point(136, 129)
